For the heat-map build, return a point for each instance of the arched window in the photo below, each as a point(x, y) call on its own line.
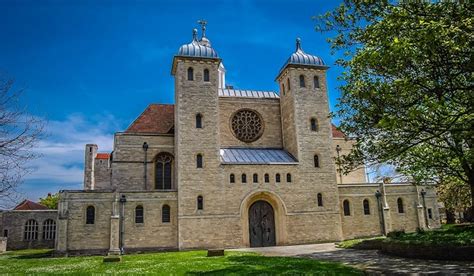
point(288, 177)
point(200, 203)
point(316, 82)
point(316, 161)
point(314, 125)
point(267, 178)
point(139, 214)
point(31, 230)
point(400, 205)
point(288, 84)
point(302, 82)
point(199, 161)
point(232, 178)
point(90, 215)
point(244, 178)
point(283, 88)
point(49, 229)
point(320, 199)
point(277, 178)
point(255, 178)
point(163, 171)
point(165, 213)
point(366, 207)
point(190, 74)
point(346, 207)
point(198, 121)
point(206, 75)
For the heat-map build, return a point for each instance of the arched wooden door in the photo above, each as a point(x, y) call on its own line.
point(261, 224)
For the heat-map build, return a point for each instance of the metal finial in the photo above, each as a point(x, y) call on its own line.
point(195, 33)
point(298, 44)
point(203, 24)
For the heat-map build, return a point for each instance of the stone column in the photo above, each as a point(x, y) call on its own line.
point(114, 248)
point(420, 211)
point(62, 225)
point(386, 210)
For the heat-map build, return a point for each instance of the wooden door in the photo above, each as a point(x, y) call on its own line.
point(261, 224)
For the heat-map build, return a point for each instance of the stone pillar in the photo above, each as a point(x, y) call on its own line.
point(420, 210)
point(114, 248)
point(386, 210)
point(61, 246)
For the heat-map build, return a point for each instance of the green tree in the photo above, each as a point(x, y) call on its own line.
point(407, 94)
point(51, 201)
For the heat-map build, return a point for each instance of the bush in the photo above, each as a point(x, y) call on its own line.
point(420, 231)
point(396, 234)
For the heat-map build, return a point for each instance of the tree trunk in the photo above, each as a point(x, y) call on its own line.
point(450, 216)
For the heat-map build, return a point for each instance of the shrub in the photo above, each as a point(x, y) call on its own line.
point(396, 234)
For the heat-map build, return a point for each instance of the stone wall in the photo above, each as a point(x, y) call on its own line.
point(14, 222)
point(355, 176)
point(269, 109)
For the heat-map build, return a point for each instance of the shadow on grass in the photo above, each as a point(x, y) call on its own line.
point(32, 254)
point(253, 265)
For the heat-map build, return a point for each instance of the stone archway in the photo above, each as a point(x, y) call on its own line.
point(261, 224)
point(279, 213)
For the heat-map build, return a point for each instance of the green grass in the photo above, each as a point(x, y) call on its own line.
point(172, 263)
point(356, 243)
point(458, 235)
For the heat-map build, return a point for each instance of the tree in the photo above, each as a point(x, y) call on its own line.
point(51, 201)
point(19, 133)
point(455, 196)
point(407, 94)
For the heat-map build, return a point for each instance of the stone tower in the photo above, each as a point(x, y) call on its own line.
point(306, 127)
point(196, 72)
point(89, 168)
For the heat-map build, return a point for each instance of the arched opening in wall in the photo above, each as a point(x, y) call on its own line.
point(244, 178)
point(277, 178)
point(314, 124)
point(200, 203)
point(401, 210)
point(347, 208)
point(283, 88)
point(90, 215)
point(232, 178)
point(320, 199)
point(190, 74)
point(199, 161)
point(165, 213)
point(139, 214)
point(267, 178)
point(206, 75)
point(255, 178)
point(302, 81)
point(316, 161)
point(164, 171)
point(366, 207)
point(288, 84)
point(261, 224)
point(49, 229)
point(316, 82)
point(288, 177)
point(31, 230)
point(198, 120)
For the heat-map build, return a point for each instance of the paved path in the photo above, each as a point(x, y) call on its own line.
point(371, 261)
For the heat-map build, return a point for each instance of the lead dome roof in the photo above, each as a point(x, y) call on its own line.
point(197, 48)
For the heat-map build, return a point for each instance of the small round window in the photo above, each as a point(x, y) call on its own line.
point(247, 125)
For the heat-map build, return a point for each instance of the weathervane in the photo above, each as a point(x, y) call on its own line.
point(203, 24)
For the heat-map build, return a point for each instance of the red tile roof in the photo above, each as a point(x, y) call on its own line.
point(157, 118)
point(336, 133)
point(30, 205)
point(102, 156)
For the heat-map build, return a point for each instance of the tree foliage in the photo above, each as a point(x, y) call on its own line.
point(19, 133)
point(51, 201)
point(407, 94)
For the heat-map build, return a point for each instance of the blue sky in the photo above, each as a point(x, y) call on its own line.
point(91, 67)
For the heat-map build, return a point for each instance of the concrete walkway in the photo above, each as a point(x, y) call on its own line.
point(370, 261)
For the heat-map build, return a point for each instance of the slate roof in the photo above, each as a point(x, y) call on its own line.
point(255, 156)
point(157, 118)
point(247, 93)
point(28, 205)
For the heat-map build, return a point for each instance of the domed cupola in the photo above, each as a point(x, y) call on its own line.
point(199, 49)
point(300, 58)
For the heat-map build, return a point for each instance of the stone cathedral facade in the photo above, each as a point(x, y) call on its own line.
point(226, 168)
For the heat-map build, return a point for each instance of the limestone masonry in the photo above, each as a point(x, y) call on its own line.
point(226, 168)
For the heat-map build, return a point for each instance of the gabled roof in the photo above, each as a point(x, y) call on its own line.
point(157, 118)
point(102, 156)
point(26, 205)
point(336, 133)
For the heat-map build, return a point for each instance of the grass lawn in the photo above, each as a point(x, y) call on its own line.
point(172, 263)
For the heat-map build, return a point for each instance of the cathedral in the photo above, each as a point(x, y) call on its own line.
point(228, 168)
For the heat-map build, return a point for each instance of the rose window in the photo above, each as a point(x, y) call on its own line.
point(247, 125)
